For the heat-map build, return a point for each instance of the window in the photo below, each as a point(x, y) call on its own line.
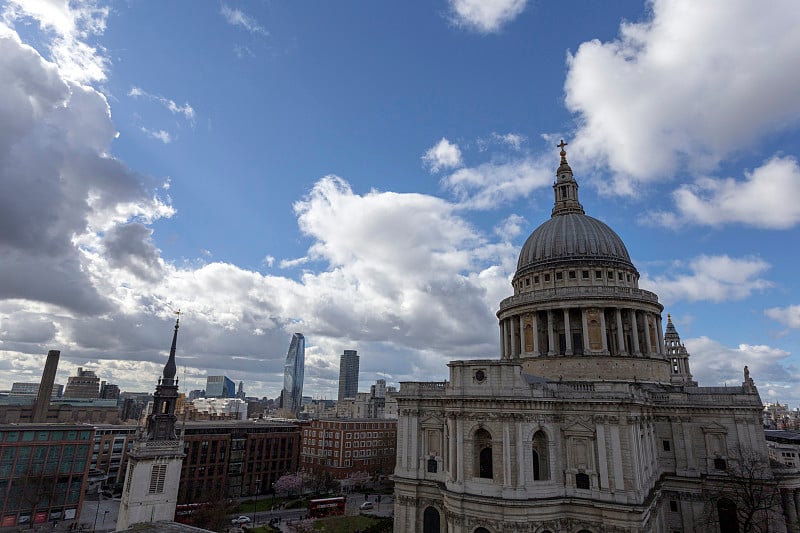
point(483, 454)
point(673, 506)
point(572, 274)
point(619, 276)
point(559, 275)
point(541, 462)
point(157, 477)
point(527, 282)
point(720, 464)
point(610, 274)
point(585, 274)
point(666, 445)
point(547, 277)
point(598, 274)
point(536, 279)
point(582, 481)
point(431, 521)
point(432, 465)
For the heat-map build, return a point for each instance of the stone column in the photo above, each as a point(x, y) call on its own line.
point(602, 455)
point(521, 336)
point(451, 445)
point(797, 500)
point(661, 350)
point(604, 330)
point(414, 444)
point(585, 324)
point(634, 333)
point(551, 349)
point(506, 455)
point(789, 511)
point(515, 348)
point(620, 332)
point(504, 327)
point(460, 450)
point(535, 329)
point(502, 341)
point(648, 342)
point(520, 456)
point(567, 333)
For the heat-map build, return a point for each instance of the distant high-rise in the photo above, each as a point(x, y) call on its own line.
point(220, 387)
point(348, 374)
point(85, 385)
point(293, 371)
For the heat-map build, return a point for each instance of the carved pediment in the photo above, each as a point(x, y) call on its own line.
point(578, 427)
point(715, 428)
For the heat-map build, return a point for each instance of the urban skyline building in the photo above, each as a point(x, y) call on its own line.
point(220, 387)
point(85, 385)
point(293, 372)
point(348, 374)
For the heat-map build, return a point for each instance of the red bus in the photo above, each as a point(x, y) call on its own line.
point(326, 507)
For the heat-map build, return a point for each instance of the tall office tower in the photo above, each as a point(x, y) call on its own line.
point(240, 391)
point(293, 371)
point(379, 389)
point(348, 374)
point(220, 387)
point(154, 462)
point(46, 387)
point(85, 385)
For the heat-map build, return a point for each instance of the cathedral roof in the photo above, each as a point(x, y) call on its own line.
point(570, 235)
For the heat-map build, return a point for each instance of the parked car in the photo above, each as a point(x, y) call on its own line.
point(240, 521)
point(366, 506)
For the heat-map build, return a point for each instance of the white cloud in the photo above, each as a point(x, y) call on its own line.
point(768, 197)
point(788, 316)
point(714, 278)
point(71, 24)
point(683, 89)
point(491, 184)
point(268, 260)
point(160, 135)
point(236, 17)
point(291, 263)
point(514, 140)
point(186, 109)
point(511, 227)
point(442, 155)
point(714, 364)
point(485, 16)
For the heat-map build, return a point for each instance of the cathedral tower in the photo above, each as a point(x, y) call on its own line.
point(154, 463)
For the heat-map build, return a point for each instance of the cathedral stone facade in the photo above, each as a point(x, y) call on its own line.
point(590, 421)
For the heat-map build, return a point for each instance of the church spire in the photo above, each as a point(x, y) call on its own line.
point(565, 188)
point(161, 422)
point(678, 356)
point(169, 368)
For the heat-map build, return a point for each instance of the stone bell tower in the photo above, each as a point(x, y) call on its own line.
point(154, 463)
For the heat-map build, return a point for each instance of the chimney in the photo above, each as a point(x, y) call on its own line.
point(46, 387)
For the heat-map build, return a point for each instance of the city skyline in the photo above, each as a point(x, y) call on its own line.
point(313, 168)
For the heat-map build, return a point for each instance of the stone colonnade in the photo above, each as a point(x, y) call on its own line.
point(790, 501)
point(593, 331)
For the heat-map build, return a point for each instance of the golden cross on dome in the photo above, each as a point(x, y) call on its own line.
point(562, 145)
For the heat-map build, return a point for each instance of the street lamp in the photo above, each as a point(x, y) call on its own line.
point(255, 504)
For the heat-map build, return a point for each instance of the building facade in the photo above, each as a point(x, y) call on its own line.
point(220, 387)
point(344, 447)
point(85, 385)
point(233, 459)
point(43, 472)
point(590, 421)
point(293, 371)
point(112, 442)
point(348, 374)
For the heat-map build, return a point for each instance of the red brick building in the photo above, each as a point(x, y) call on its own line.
point(345, 446)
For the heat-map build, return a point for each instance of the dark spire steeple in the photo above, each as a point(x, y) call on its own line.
point(678, 356)
point(161, 422)
point(565, 188)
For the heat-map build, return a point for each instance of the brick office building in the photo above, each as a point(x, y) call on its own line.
point(43, 472)
point(230, 458)
point(345, 446)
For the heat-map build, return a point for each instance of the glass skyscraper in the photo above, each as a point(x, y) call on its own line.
point(348, 374)
point(292, 392)
point(220, 387)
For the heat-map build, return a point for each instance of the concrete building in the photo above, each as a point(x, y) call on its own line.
point(43, 469)
point(154, 462)
point(343, 447)
point(348, 374)
point(85, 385)
point(112, 442)
point(32, 390)
point(293, 371)
point(590, 420)
point(216, 409)
point(220, 387)
point(236, 458)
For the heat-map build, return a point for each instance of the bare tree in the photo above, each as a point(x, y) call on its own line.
point(747, 497)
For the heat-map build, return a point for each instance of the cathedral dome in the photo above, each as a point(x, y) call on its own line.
point(574, 238)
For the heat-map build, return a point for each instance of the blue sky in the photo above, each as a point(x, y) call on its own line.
point(366, 173)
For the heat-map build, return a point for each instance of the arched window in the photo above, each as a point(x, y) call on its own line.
point(483, 453)
point(726, 511)
point(541, 457)
point(482, 530)
point(430, 520)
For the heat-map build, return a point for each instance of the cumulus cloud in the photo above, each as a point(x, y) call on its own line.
point(70, 24)
point(713, 364)
point(513, 140)
point(768, 197)
point(160, 135)
point(788, 316)
point(485, 16)
point(717, 278)
point(490, 184)
point(661, 95)
point(442, 155)
point(236, 17)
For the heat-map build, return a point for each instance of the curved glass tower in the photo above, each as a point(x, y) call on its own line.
point(293, 374)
